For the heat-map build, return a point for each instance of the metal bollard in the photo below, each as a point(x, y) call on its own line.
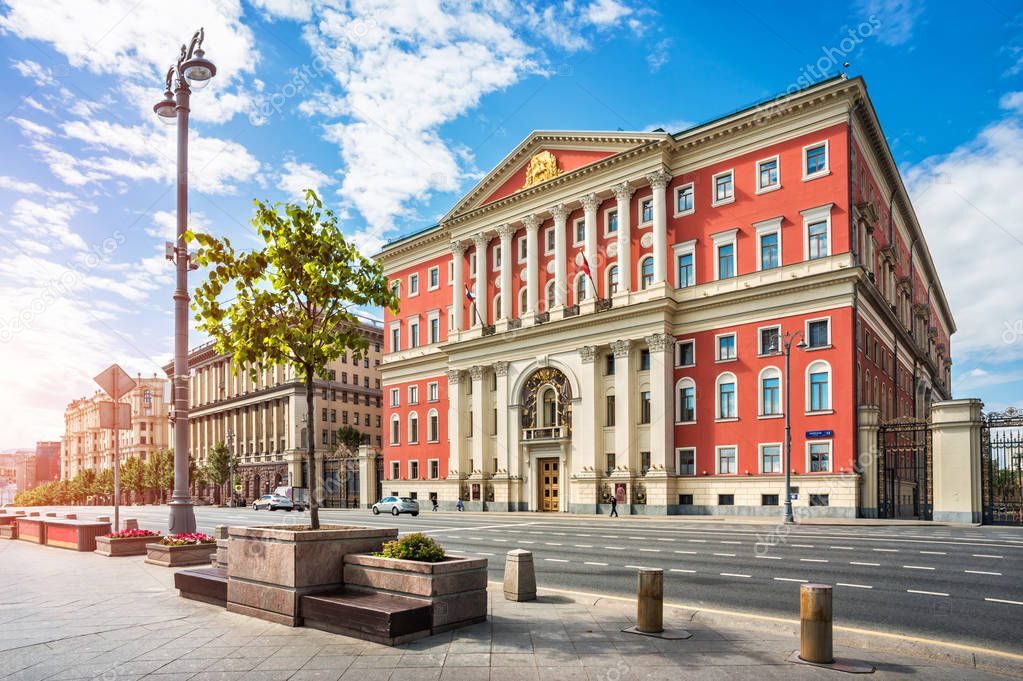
point(650, 601)
point(815, 617)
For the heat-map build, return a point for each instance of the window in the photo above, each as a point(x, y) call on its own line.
point(818, 333)
point(580, 288)
point(548, 241)
point(609, 462)
point(609, 364)
point(523, 249)
point(644, 462)
point(644, 407)
point(434, 278)
point(770, 392)
point(644, 360)
point(770, 458)
point(472, 264)
point(395, 470)
point(724, 188)
point(770, 340)
point(413, 334)
point(413, 428)
point(726, 347)
point(819, 455)
point(413, 394)
point(497, 258)
point(818, 387)
point(819, 500)
point(684, 199)
point(432, 426)
point(432, 392)
point(646, 272)
point(768, 499)
point(612, 280)
point(726, 261)
point(549, 295)
point(609, 410)
point(395, 339)
point(686, 393)
point(646, 211)
point(767, 175)
point(395, 429)
point(727, 408)
point(685, 461)
point(611, 221)
point(685, 500)
point(726, 460)
point(815, 160)
point(434, 469)
point(413, 470)
point(685, 264)
point(685, 353)
point(523, 300)
point(579, 231)
point(413, 284)
point(817, 240)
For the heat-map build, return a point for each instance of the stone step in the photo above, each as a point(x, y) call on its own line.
point(203, 584)
point(379, 617)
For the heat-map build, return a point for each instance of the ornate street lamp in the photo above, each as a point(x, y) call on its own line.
point(787, 347)
point(191, 71)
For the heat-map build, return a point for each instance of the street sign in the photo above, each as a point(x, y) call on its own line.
point(107, 419)
point(813, 434)
point(794, 496)
point(115, 381)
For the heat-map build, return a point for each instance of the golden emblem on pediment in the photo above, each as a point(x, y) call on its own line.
point(542, 167)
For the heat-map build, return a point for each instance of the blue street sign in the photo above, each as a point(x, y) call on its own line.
point(819, 433)
point(794, 496)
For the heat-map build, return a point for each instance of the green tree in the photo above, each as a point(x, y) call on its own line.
point(349, 438)
point(292, 301)
point(159, 475)
point(133, 476)
point(83, 486)
point(219, 460)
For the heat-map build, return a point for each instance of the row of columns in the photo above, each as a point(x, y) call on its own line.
point(623, 193)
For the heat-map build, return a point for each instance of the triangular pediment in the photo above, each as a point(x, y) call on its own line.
point(544, 156)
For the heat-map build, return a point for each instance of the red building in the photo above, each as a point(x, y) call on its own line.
point(604, 314)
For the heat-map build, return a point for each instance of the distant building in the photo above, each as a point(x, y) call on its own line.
point(47, 459)
point(86, 446)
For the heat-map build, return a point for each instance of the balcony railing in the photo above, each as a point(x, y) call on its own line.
point(551, 433)
point(543, 318)
point(515, 323)
point(604, 304)
point(572, 311)
point(489, 329)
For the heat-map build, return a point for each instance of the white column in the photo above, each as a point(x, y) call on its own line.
point(662, 407)
point(625, 386)
point(456, 435)
point(532, 224)
point(458, 288)
point(585, 430)
point(482, 294)
point(503, 452)
point(623, 193)
point(560, 215)
point(590, 204)
point(658, 182)
point(505, 233)
point(479, 436)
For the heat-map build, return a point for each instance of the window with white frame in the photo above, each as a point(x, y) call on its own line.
point(472, 264)
point(768, 175)
point(432, 426)
point(611, 221)
point(413, 332)
point(496, 312)
point(684, 199)
point(815, 160)
point(725, 253)
point(523, 300)
point(685, 264)
point(769, 340)
point(433, 278)
point(726, 350)
point(685, 400)
point(612, 280)
point(395, 470)
point(451, 271)
point(727, 401)
point(413, 284)
point(413, 428)
point(395, 399)
point(413, 394)
point(434, 326)
point(724, 188)
point(549, 295)
point(496, 264)
point(685, 461)
point(579, 231)
point(817, 232)
point(646, 211)
point(685, 353)
point(548, 241)
point(395, 337)
point(768, 243)
point(770, 458)
point(396, 288)
point(432, 392)
point(726, 459)
point(818, 333)
point(523, 249)
point(818, 387)
point(413, 470)
point(395, 429)
point(580, 288)
point(434, 468)
point(770, 392)
point(818, 454)
point(644, 406)
point(646, 272)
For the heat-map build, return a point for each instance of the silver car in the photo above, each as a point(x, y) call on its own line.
point(396, 506)
point(272, 502)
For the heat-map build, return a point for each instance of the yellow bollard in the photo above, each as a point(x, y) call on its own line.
point(650, 601)
point(815, 618)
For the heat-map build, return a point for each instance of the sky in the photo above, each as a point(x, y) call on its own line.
point(392, 110)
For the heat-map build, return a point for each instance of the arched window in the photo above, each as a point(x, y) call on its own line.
point(523, 293)
point(646, 272)
point(612, 280)
point(549, 295)
point(580, 288)
point(395, 429)
point(548, 407)
point(818, 386)
point(413, 428)
point(432, 426)
point(770, 392)
point(726, 387)
point(685, 401)
point(497, 307)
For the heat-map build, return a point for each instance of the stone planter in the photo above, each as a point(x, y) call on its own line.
point(8, 531)
point(125, 546)
point(179, 556)
point(77, 535)
point(455, 587)
point(270, 568)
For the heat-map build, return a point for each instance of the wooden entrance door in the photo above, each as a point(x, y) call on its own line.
point(550, 484)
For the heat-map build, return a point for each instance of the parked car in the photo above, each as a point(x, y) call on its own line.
point(396, 506)
point(272, 502)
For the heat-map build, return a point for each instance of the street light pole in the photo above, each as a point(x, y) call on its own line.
point(787, 341)
point(191, 69)
point(230, 468)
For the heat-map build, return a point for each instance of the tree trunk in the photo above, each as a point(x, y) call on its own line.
point(314, 505)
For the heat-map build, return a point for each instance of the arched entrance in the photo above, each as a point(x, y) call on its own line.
point(546, 408)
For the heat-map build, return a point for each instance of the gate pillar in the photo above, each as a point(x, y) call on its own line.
point(867, 460)
point(367, 476)
point(956, 431)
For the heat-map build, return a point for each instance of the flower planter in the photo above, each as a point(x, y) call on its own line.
point(179, 556)
point(32, 530)
point(124, 546)
point(270, 568)
point(455, 587)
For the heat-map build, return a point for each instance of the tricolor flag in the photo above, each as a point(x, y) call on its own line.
point(468, 295)
point(586, 271)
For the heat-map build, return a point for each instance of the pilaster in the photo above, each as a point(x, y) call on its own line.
point(625, 387)
point(658, 183)
point(590, 204)
point(458, 458)
point(560, 215)
point(662, 417)
point(623, 193)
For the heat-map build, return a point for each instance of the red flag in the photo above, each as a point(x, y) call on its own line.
point(586, 271)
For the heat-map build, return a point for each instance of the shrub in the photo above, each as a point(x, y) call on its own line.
point(130, 534)
point(415, 546)
point(187, 539)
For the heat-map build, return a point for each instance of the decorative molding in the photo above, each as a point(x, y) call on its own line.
point(480, 241)
point(559, 212)
point(659, 180)
point(588, 353)
point(501, 368)
point(659, 342)
point(612, 249)
point(505, 231)
point(623, 191)
point(550, 267)
point(523, 274)
point(589, 201)
point(458, 248)
point(646, 240)
point(621, 348)
point(476, 372)
point(531, 222)
point(454, 376)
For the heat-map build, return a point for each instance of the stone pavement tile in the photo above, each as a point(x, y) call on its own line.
point(214, 651)
point(469, 646)
point(375, 662)
point(173, 676)
point(233, 664)
point(636, 644)
point(338, 662)
point(563, 674)
point(466, 674)
point(316, 675)
point(419, 659)
point(184, 664)
point(433, 644)
point(648, 660)
point(513, 660)
point(138, 667)
point(601, 659)
point(467, 660)
point(415, 674)
point(282, 662)
point(380, 649)
point(238, 676)
point(558, 657)
point(516, 674)
point(82, 671)
point(342, 649)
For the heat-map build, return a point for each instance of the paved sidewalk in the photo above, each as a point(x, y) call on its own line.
point(83, 616)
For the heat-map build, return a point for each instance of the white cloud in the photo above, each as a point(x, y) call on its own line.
point(46, 225)
point(29, 69)
point(296, 10)
point(898, 18)
point(672, 126)
point(606, 12)
point(31, 128)
point(164, 224)
point(1012, 101)
point(659, 55)
point(31, 188)
point(297, 177)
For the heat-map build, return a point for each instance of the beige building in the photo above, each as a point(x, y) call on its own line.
point(263, 421)
point(85, 445)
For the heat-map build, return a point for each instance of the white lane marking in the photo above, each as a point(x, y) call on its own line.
point(651, 550)
point(558, 534)
point(525, 541)
point(484, 553)
point(802, 546)
point(727, 555)
point(934, 553)
point(887, 550)
point(769, 557)
point(682, 570)
point(692, 553)
point(590, 562)
point(555, 560)
point(609, 536)
point(853, 562)
point(583, 546)
point(636, 538)
point(981, 572)
point(501, 540)
point(917, 567)
point(842, 548)
point(664, 539)
point(985, 555)
point(1002, 600)
point(725, 541)
point(733, 574)
point(584, 535)
point(615, 548)
point(926, 593)
point(551, 543)
point(638, 567)
point(813, 560)
point(789, 579)
point(854, 586)
point(697, 541)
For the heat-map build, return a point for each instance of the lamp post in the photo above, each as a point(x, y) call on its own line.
point(787, 346)
point(230, 468)
point(192, 70)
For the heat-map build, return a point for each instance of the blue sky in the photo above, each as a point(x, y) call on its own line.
point(393, 109)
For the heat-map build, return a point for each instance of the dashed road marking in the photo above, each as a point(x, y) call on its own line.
point(934, 553)
point(725, 541)
point(590, 562)
point(726, 555)
point(614, 548)
point(551, 543)
point(854, 586)
point(802, 546)
point(733, 574)
point(637, 567)
point(926, 593)
point(813, 560)
point(981, 572)
point(1002, 600)
point(789, 579)
point(917, 567)
point(555, 560)
point(484, 553)
point(853, 562)
point(651, 550)
point(697, 541)
point(770, 557)
point(692, 553)
point(886, 550)
point(682, 570)
point(583, 546)
point(842, 548)
point(985, 555)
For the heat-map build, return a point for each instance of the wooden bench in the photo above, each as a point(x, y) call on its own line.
point(77, 535)
point(208, 585)
point(378, 617)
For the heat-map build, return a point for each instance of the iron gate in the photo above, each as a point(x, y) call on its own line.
point(1001, 468)
point(341, 483)
point(904, 479)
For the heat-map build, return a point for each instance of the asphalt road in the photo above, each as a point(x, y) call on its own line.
point(963, 585)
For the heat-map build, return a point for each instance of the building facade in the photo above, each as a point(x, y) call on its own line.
point(602, 315)
point(87, 446)
point(263, 421)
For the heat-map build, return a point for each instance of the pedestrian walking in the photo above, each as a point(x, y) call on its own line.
point(434, 500)
point(461, 506)
point(614, 507)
